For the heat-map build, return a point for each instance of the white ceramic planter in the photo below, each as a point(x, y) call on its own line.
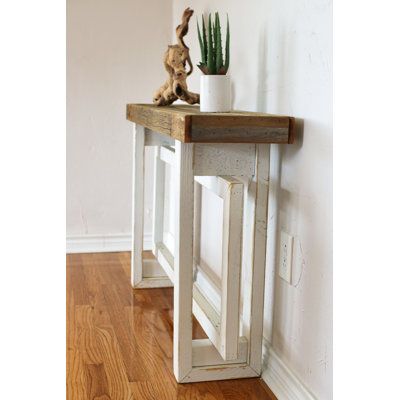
point(215, 93)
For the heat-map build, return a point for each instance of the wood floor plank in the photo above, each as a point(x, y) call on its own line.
point(200, 391)
point(119, 340)
point(117, 379)
point(98, 388)
point(86, 335)
point(78, 283)
point(126, 336)
point(77, 376)
point(71, 336)
point(250, 389)
point(143, 390)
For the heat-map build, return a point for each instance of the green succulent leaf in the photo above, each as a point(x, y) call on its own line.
point(204, 38)
point(227, 47)
point(213, 61)
point(214, 31)
point(210, 48)
point(218, 44)
point(202, 48)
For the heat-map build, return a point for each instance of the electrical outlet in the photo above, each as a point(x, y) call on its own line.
point(285, 257)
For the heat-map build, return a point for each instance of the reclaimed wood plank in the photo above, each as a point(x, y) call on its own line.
point(187, 124)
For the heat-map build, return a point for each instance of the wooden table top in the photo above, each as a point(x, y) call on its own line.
point(187, 124)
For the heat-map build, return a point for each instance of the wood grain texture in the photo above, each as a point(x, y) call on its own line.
point(187, 124)
point(119, 340)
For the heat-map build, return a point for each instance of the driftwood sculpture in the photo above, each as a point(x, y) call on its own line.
point(175, 60)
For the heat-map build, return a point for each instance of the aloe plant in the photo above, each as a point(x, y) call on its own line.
point(212, 61)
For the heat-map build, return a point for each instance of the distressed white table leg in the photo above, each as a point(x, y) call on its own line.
point(231, 263)
point(261, 181)
point(222, 327)
point(183, 259)
point(197, 228)
point(158, 202)
point(137, 205)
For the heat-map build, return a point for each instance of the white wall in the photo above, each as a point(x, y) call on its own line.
point(281, 62)
point(114, 57)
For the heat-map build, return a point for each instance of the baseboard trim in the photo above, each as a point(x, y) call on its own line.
point(280, 379)
point(103, 243)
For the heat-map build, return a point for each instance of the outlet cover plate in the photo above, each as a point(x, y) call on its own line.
point(285, 257)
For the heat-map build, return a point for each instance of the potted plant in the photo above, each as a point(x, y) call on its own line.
point(215, 86)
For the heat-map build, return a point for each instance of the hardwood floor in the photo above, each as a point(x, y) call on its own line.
point(119, 340)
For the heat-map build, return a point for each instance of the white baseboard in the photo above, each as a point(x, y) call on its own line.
point(280, 379)
point(103, 243)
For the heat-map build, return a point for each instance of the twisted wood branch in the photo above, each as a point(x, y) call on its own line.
point(175, 59)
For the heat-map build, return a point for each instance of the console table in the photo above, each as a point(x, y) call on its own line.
point(228, 153)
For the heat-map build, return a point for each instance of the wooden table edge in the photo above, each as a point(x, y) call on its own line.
point(185, 133)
